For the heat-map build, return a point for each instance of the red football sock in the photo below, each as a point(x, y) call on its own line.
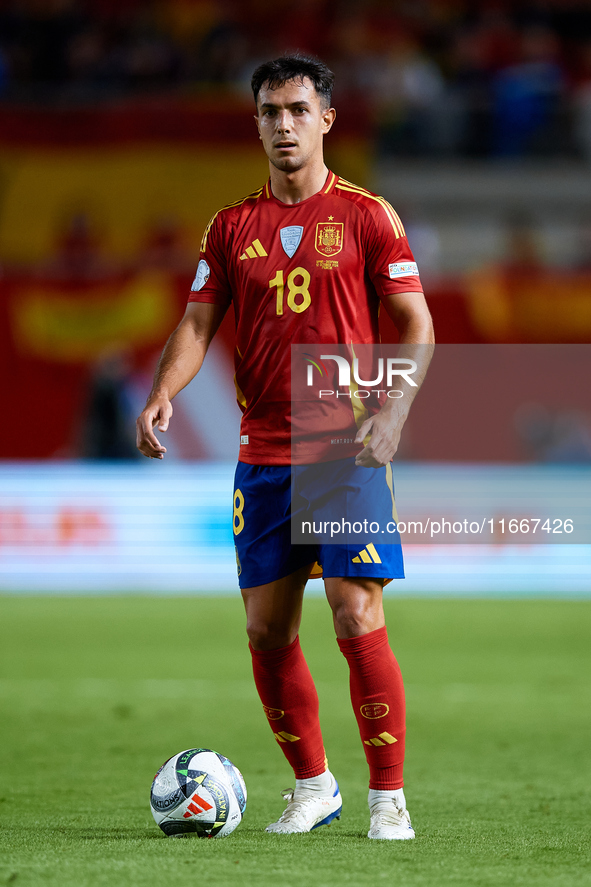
point(377, 695)
point(289, 697)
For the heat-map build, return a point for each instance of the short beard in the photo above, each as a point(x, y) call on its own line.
point(288, 164)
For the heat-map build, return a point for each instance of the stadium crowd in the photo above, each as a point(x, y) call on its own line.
point(485, 79)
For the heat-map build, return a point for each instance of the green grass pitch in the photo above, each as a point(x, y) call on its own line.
point(96, 692)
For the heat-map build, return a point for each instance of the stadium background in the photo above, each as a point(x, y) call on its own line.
point(123, 126)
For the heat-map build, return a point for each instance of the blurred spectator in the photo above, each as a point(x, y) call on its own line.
point(85, 55)
point(582, 104)
point(406, 88)
point(526, 97)
point(468, 95)
point(424, 241)
point(223, 50)
point(109, 423)
point(4, 71)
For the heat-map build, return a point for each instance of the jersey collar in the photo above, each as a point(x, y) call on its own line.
point(327, 188)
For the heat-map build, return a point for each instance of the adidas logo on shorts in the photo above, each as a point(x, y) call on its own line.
point(367, 555)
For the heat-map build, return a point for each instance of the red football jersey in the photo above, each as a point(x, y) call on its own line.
point(310, 272)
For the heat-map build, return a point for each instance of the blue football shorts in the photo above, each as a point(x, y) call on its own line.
point(267, 497)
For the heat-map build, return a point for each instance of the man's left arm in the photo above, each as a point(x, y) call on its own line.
point(412, 319)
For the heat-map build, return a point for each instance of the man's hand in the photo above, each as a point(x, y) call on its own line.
point(385, 429)
point(180, 362)
point(411, 317)
point(157, 412)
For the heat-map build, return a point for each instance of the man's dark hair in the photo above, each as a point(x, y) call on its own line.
point(294, 67)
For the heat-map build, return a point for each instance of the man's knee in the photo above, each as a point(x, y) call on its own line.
point(269, 636)
point(274, 611)
point(351, 617)
point(356, 607)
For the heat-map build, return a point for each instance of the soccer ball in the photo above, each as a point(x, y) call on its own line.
point(198, 792)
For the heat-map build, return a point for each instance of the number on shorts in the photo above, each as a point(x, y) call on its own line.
point(238, 519)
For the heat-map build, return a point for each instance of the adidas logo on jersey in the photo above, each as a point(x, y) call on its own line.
point(253, 251)
point(367, 555)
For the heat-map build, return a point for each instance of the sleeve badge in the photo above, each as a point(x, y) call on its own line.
point(403, 269)
point(201, 277)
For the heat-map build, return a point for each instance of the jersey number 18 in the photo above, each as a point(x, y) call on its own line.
point(293, 290)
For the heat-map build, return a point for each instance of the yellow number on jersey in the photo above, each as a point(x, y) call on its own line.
point(278, 282)
point(301, 289)
point(293, 289)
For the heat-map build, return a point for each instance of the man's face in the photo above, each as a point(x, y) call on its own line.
point(292, 122)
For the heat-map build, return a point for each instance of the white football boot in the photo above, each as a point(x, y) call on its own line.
point(313, 802)
point(390, 820)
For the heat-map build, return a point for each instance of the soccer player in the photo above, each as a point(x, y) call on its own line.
point(307, 258)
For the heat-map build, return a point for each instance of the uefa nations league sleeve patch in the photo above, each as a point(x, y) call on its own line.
point(403, 269)
point(201, 277)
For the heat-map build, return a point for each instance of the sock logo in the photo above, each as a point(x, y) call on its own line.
point(273, 713)
point(382, 739)
point(287, 737)
point(374, 710)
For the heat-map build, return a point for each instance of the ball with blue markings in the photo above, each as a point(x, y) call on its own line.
point(199, 793)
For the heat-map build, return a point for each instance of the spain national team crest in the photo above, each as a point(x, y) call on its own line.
point(329, 238)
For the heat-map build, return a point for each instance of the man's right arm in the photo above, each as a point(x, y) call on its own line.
point(181, 360)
